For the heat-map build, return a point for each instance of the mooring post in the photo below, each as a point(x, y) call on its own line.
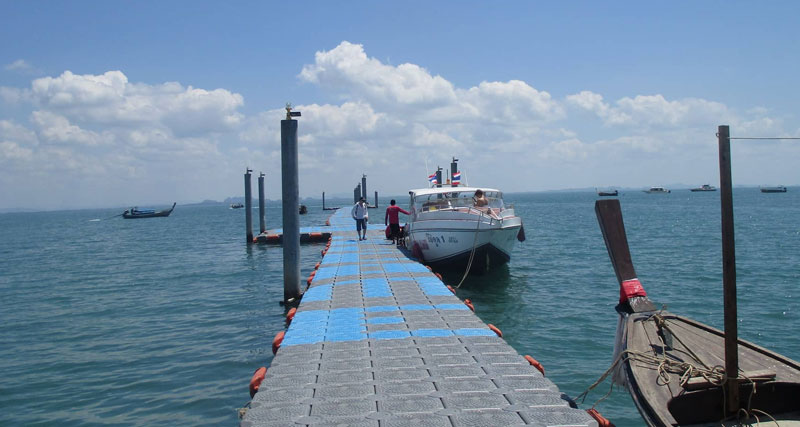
point(376, 199)
point(248, 206)
point(291, 201)
point(728, 271)
point(261, 211)
point(364, 186)
point(438, 176)
point(356, 193)
point(323, 200)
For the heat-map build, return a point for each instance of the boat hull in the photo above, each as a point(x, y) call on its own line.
point(450, 243)
point(164, 213)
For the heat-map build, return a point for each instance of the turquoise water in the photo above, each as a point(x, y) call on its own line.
point(164, 320)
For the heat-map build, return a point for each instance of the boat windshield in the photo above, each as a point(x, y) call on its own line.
point(455, 199)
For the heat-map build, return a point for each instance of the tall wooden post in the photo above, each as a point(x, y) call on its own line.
point(248, 206)
point(728, 271)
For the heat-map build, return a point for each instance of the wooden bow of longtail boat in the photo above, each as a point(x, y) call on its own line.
point(674, 367)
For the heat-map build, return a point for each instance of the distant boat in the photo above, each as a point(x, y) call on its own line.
point(147, 213)
point(237, 205)
point(777, 189)
point(657, 190)
point(608, 192)
point(705, 187)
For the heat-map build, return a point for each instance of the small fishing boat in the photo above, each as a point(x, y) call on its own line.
point(607, 192)
point(776, 189)
point(657, 190)
point(675, 367)
point(237, 205)
point(704, 187)
point(147, 213)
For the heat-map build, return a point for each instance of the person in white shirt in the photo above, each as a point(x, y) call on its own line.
point(360, 214)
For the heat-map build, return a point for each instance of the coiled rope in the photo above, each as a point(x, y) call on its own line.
point(715, 375)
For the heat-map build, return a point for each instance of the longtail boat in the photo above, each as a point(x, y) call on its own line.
point(149, 213)
point(674, 367)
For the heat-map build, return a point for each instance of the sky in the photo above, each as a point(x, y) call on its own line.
point(107, 104)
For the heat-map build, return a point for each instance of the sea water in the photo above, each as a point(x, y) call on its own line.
point(162, 321)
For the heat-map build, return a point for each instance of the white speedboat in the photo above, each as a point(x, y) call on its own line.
point(657, 190)
point(446, 229)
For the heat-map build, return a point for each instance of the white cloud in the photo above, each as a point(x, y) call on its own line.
point(348, 69)
point(136, 138)
point(109, 99)
point(22, 66)
point(55, 128)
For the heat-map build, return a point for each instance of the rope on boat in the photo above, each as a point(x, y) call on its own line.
point(472, 254)
point(715, 375)
point(665, 367)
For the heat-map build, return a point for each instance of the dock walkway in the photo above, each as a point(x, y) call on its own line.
point(378, 340)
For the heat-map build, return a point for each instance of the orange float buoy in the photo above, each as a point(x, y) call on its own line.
point(429, 268)
point(468, 303)
point(255, 382)
point(451, 289)
point(439, 276)
point(276, 342)
point(316, 267)
point(496, 330)
point(290, 315)
point(535, 363)
point(601, 420)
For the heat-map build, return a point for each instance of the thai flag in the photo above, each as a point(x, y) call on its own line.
point(432, 179)
point(456, 179)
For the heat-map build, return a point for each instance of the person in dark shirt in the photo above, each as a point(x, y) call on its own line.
point(392, 218)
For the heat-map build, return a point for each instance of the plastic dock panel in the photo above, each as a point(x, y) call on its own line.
point(378, 340)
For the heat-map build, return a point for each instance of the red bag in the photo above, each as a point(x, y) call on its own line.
point(388, 232)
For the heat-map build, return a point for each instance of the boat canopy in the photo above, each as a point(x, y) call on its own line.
point(452, 197)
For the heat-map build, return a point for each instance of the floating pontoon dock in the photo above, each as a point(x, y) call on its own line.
point(378, 340)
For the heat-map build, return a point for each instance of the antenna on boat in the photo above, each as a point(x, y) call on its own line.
point(290, 113)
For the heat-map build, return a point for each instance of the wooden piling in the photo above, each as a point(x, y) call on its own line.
point(248, 207)
point(728, 270)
